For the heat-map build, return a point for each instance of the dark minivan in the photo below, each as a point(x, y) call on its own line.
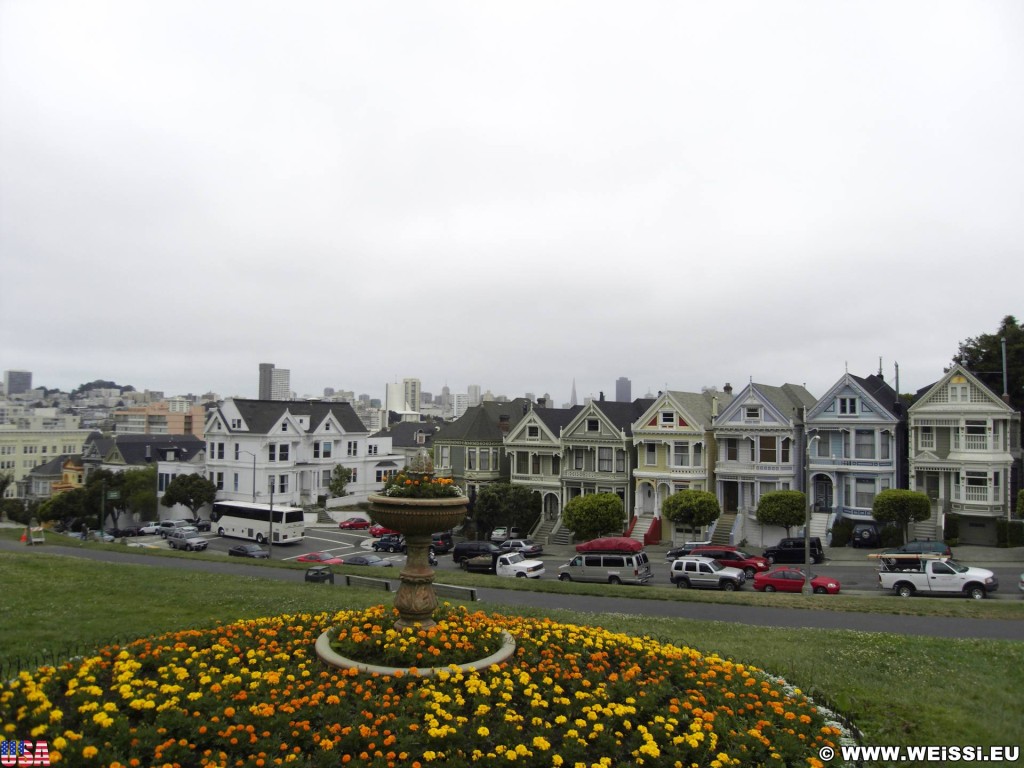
point(792, 551)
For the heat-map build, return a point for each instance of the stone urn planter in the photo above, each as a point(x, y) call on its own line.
point(417, 519)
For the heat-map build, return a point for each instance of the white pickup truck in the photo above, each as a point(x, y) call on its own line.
point(908, 575)
point(505, 564)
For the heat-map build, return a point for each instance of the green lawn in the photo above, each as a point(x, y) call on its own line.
point(899, 690)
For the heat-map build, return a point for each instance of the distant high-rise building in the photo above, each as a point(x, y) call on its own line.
point(275, 383)
point(328, 391)
point(17, 382)
point(411, 392)
point(473, 390)
point(623, 390)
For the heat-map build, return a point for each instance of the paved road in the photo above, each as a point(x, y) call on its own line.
point(766, 617)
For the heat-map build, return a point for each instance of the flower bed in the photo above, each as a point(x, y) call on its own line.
point(253, 693)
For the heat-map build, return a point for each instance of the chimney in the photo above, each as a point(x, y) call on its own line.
point(542, 402)
point(600, 396)
point(714, 406)
point(503, 423)
point(727, 388)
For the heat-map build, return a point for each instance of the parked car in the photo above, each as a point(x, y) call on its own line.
point(921, 547)
point(442, 542)
point(167, 526)
point(865, 535)
point(614, 560)
point(390, 542)
point(123, 531)
point(249, 550)
point(792, 551)
point(705, 573)
point(367, 560)
point(354, 524)
point(377, 530)
point(909, 574)
point(734, 558)
point(685, 549)
point(510, 564)
point(89, 535)
point(324, 558)
point(199, 523)
point(465, 549)
point(792, 580)
point(526, 547)
point(189, 540)
point(320, 574)
point(149, 529)
point(501, 533)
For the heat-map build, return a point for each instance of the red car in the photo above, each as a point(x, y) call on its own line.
point(320, 558)
point(354, 524)
point(792, 580)
point(732, 557)
point(377, 530)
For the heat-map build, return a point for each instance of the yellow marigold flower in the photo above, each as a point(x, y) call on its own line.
point(89, 752)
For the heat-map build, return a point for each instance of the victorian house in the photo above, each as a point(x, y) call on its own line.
point(535, 448)
point(856, 447)
point(598, 452)
point(964, 444)
point(760, 448)
point(290, 448)
point(675, 450)
point(471, 450)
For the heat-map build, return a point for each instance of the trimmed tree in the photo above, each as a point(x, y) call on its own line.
point(340, 477)
point(192, 491)
point(901, 507)
point(784, 508)
point(506, 504)
point(692, 508)
point(594, 515)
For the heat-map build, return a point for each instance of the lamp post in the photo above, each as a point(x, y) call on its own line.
point(807, 589)
point(270, 540)
point(250, 453)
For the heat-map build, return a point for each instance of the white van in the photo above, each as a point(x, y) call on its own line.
point(610, 567)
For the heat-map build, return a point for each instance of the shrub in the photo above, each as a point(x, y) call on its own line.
point(1010, 533)
point(1020, 504)
point(951, 529)
point(841, 532)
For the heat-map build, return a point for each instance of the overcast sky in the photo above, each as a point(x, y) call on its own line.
point(510, 194)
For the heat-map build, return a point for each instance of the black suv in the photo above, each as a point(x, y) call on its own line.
point(921, 547)
point(792, 551)
point(390, 542)
point(466, 549)
point(865, 535)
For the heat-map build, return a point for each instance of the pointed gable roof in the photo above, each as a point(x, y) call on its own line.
point(482, 423)
point(881, 398)
point(935, 391)
point(261, 416)
point(785, 401)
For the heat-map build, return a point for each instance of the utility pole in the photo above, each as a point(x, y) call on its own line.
point(270, 541)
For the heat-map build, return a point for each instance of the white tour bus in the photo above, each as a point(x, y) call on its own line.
point(245, 520)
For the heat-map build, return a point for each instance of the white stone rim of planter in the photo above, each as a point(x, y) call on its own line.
point(328, 656)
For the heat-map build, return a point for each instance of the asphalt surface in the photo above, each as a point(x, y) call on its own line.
point(503, 600)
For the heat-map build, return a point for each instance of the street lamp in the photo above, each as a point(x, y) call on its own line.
point(253, 473)
point(807, 589)
point(270, 540)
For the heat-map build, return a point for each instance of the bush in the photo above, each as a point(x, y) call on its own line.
point(1010, 533)
point(951, 529)
point(890, 536)
point(841, 532)
point(1020, 504)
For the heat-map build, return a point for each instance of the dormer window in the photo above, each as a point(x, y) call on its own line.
point(284, 426)
point(236, 423)
point(847, 406)
point(593, 425)
point(667, 418)
point(958, 393)
point(752, 412)
point(533, 431)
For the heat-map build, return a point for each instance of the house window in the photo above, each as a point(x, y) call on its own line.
point(238, 451)
point(354, 476)
point(371, 449)
point(977, 487)
point(328, 449)
point(668, 419)
point(234, 484)
point(864, 444)
point(620, 461)
point(847, 406)
point(471, 459)
point(927, 437)
point(325, 478)
point(766, 444)
point(976, 437)
point(316, 450)
point(698, 460)
point(485, 460)
point(784, 458)
point(220, 450)
point(865, 493)
point(535, 464)
point(236, 423)
point(556, 465)
point(578, 459)
point(751, 413)
point(284, 426)
point(282, 483)
point(217, 478)
point(446, 455)
point(681, 453)
point(731, 449)
point(272, 452)
point(958, 393)
point(604, 459)
point(593, 425)
point(533, 431)
point(352, 448)
point(650, 454)
point(282, 452)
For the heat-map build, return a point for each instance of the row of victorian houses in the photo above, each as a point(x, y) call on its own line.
point(958, 442)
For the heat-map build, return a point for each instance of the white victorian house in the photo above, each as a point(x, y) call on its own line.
point(292, 447)
point(964, 442)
